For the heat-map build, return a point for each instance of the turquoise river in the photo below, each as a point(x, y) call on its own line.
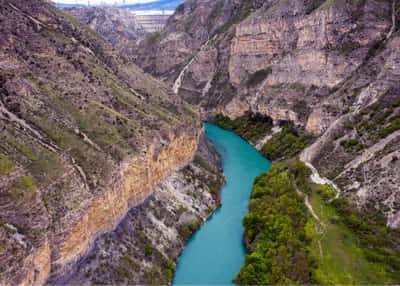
point(215, 253)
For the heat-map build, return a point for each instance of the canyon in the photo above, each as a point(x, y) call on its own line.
point(104, 167)
point(326, 66)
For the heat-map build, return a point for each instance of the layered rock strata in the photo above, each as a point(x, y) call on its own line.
point(324, 65)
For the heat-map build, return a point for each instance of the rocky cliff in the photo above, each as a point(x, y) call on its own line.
point(85, 136)
point(330, 67)
point(143, 249)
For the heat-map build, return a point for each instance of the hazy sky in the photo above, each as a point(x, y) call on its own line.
point(102, 1)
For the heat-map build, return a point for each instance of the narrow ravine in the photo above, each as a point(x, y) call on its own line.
point(216, 251)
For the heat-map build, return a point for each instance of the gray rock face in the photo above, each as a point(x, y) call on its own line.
point(321, 64)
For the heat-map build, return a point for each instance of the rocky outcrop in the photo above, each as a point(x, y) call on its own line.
point(85, 136)
point(144, 247)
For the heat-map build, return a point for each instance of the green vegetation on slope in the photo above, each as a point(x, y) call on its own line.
point(337, 248)
point(379, 242)
point(251, 127)
point(6, 166)
point(352, 144)
point(285, 144)
point(275, 232)
point(287, 245)
point(24, 189)
point(381, 119)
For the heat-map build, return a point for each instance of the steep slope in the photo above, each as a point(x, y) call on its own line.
point(85, 135)
point(119, 26)
point(145, 246)
point(330, 67)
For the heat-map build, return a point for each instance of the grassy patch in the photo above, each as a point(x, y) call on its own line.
point(129, 263)
point(24, 189)
point(6, 166)
point(240, 14)
point(339, 255)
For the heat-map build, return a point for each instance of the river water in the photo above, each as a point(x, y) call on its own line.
point(215, 253)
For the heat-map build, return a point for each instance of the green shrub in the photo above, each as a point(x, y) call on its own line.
point(148, 250)
point(168, 272)
point(122, 272)
point(352, 145)
point(24, 189)
point(392, 127)
point(285, 144)
point(186, 230)
point(6, 166)
point(326, 192)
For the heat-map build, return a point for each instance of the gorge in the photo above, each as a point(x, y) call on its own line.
point(106, 171)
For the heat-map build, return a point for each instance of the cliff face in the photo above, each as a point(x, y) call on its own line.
point(119, 26)
point(85, 136)
point(143, 249)
point(331, 67)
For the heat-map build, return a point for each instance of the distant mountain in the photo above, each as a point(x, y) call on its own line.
point(62, 5)
point(156, 5)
